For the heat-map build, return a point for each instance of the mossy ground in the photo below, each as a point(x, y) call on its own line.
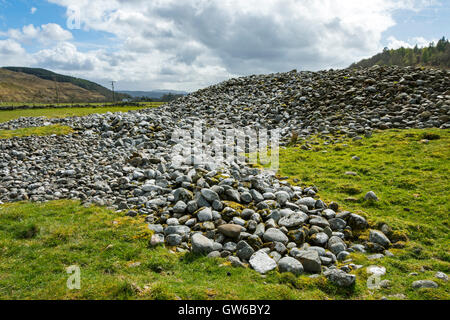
point(39, 241)
point(35, 131)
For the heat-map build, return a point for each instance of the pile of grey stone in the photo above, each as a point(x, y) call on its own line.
point(228, 210)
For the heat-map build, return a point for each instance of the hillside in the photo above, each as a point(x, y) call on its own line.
point(33, 85)
point(435, 55)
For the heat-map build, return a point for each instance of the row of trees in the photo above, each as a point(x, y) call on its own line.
point(165, 98)
point(436, 55)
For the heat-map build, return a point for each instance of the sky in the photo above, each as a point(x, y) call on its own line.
point(190, 44)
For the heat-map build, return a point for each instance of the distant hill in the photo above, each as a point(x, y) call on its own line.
point(20, 84)
point(157, 94)
point(435, 55)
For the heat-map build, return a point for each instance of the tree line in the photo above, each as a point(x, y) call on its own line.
point(435, 55)
point(165, 98)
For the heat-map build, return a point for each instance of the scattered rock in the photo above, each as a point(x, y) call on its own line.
point(340, 278)
point(375, 270)
point(441, 275)
point(424, 284)
point(380, 238)
point(371, 196)
point(375, 256)
point(204, 215)
point(244, 250)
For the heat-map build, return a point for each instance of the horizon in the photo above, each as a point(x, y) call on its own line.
point(184, 47)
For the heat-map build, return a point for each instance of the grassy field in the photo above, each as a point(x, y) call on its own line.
point(35, 131)
point(68, 112)
point(410, 176)
point(92, 104)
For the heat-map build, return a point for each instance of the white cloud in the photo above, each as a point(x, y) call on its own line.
point(394, 43)
point(12, 53)
point(46, 33)
point(33, 10)
point(65, 56)
point(193, 43)
point(10, 47)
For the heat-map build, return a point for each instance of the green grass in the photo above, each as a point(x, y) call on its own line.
point(35, 131)
point(410, 177)
point(74, 104)
point(39, 241)
point(6, 115)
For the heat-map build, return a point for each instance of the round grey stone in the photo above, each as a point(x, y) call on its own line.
point(309, 259)
point(294, 220)
point(319, 239)
point(244, 250)
point(441, 275)
point(288, 264)
point(214, 254)
point(157, 228)
point(201, 244)
point(379, 237)
point(371, 196)
point(275, 235)
point(174, 239)
point(179, 207)
point(210, 195)
point(337, 224)
point(204, 214)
